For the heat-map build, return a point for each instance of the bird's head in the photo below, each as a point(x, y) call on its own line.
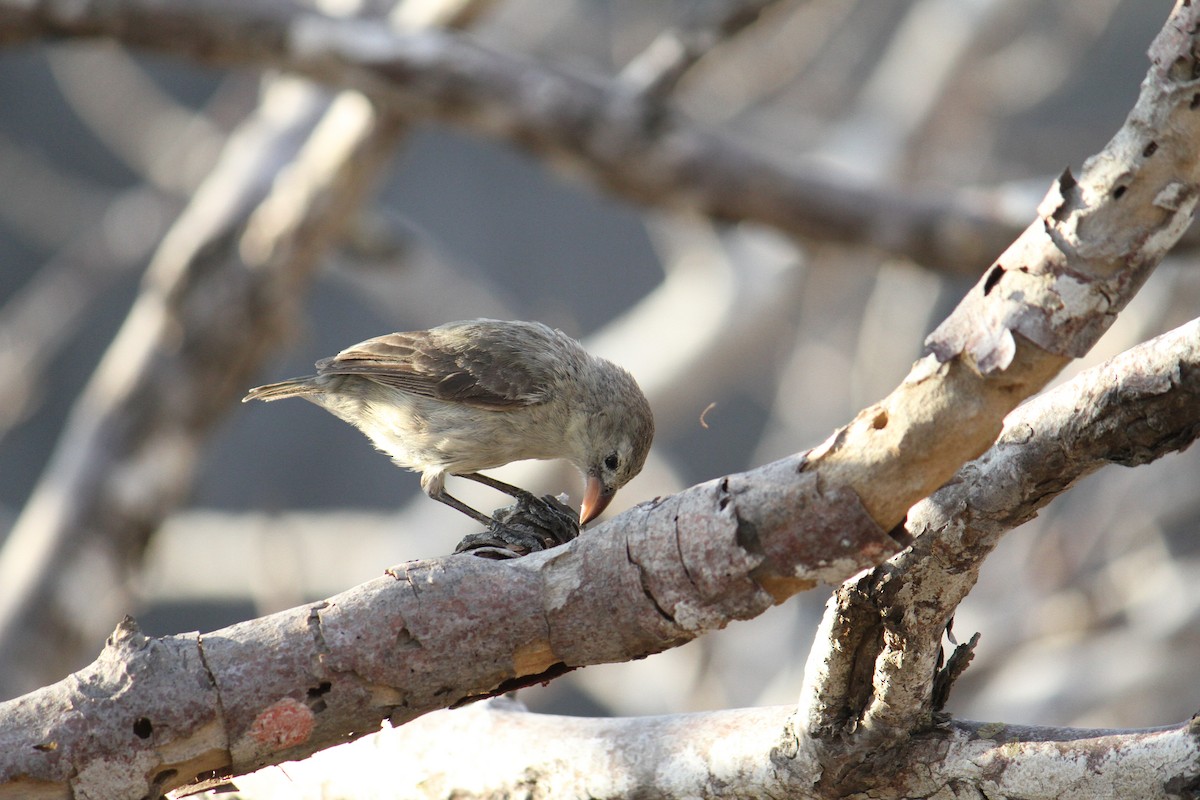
point(616, 439)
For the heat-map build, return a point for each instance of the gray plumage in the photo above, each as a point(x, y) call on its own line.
point(474, 395)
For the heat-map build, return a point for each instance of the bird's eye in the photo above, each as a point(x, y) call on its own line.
point(611, 462)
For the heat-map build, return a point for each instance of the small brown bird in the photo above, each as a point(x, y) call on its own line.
point(474, 395)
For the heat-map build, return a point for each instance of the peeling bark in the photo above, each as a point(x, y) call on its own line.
point(1047, 299)
point(873, 673)
point(428, 635)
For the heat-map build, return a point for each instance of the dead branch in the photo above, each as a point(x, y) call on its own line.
point(1046, 299)
point(151, 714)
point(622, 140)
point(873, 670)
point(723, 754)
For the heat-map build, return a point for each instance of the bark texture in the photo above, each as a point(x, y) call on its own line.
point(153, 714)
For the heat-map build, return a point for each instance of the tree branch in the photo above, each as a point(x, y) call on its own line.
point(1047, 299)
point(727, 754)
point(873, 670)
point(658, 69)
point(1146, 399)
point(622, 140)
point(150, 714)
point(871, 674)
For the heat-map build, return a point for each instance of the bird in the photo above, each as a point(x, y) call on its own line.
point(478, 394)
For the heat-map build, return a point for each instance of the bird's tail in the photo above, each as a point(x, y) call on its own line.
point(293, 387)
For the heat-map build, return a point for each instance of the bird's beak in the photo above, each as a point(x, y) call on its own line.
point(596, 498)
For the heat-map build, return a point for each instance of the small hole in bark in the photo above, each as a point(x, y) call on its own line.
point(315, 703)
point(880, 422)
point(1118, 192)
point(992, 279)
point(1195, 101)
point(1150, 150)
point(142, 728)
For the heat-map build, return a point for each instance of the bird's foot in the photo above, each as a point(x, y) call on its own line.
point(529, 525)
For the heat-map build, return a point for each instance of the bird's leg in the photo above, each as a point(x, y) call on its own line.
point(532, 524)
point(500, 486)
point(551, 513)
point(458, 505)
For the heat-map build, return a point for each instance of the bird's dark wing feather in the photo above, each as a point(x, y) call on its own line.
point(479, 366)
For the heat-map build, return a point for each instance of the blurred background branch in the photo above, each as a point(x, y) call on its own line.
point(220, 292)
point(612, 132)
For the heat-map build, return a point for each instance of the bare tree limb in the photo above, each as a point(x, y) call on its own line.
point(150, 714)
point(870, 677)
point(658, 69)
point(876, 673)
point(1146, 397)
point(1048, 297)
point(621, 140)
point(726, 754)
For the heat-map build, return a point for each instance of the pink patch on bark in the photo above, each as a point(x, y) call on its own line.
point(283, 724)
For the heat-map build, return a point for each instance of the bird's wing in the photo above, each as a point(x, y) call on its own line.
point(472, 365)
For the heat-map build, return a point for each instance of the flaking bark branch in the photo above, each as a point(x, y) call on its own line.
point(1045, 300)
point(282, 686)
point(152, 714)
point(871, 672)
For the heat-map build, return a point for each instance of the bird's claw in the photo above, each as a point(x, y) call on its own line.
point(529, 525)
